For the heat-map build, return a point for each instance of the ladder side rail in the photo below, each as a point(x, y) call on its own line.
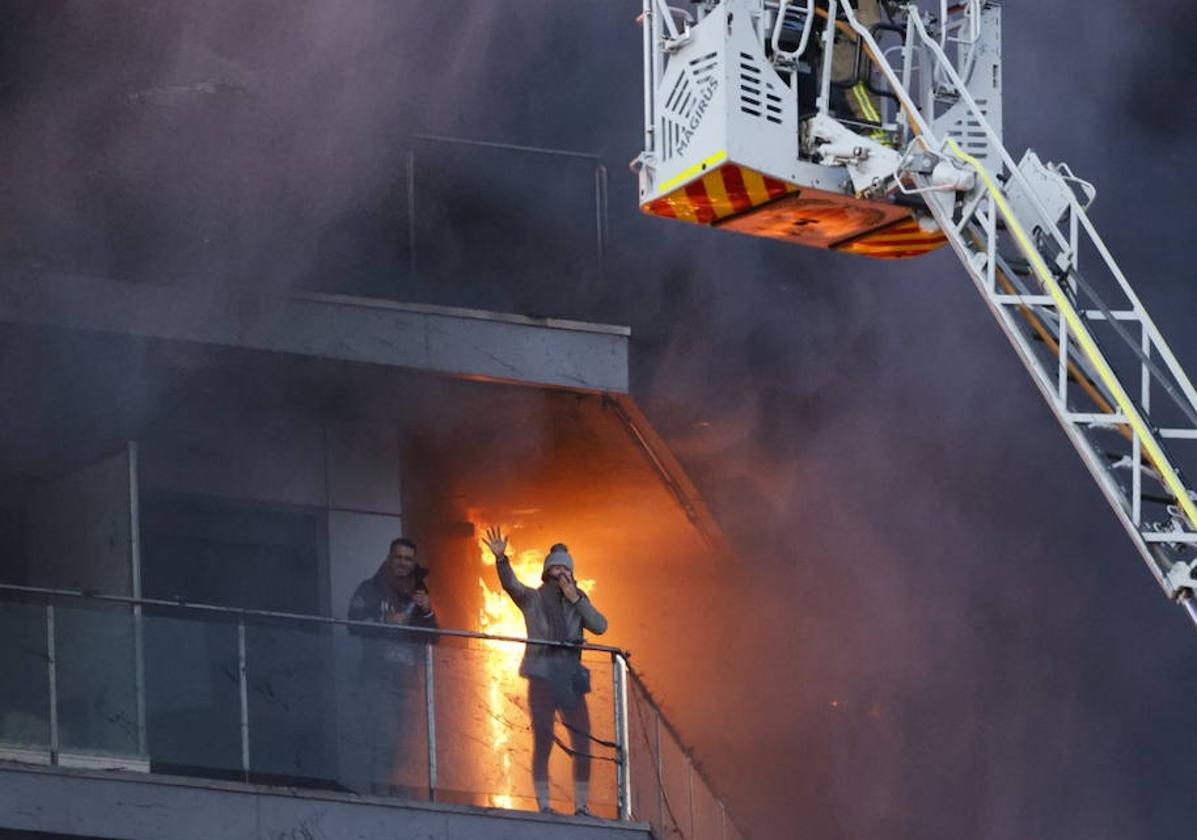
point(779, 24)
point(666, 14)
point(1142, 349)
point(1051, 323)
point(650, 108)
point(1047, 323)
point(1077, 427)
point(656, 72)
point(1078, 220)
point(1045, 381)
point(1046, 222)
point(900, 88)
point(908, 57)
point(1087, 343)
point(1153, 552)
point(823, 103)
point(1077, 211)
point(1157, 339)
point(930, 142)
point(1069, 243)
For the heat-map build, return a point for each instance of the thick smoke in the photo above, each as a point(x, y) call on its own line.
point(934, 626)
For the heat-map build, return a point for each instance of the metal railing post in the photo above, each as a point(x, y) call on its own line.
point(660, 775)
point(690, 791)
point(52, 675)
point(623, 769)
point(646, 26)
point(823, 103)
point(135, 567)
point(243, 688)
point(411, 212)
point(430, 713)
point(622, 680)
point(600, 214)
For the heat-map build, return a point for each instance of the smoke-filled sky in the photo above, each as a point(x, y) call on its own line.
point(936, 627)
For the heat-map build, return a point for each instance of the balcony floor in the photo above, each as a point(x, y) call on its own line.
point(125, 805)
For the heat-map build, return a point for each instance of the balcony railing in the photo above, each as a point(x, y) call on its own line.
point(306, 701)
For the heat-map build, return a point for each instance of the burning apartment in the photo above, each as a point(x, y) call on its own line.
point(218, 417)
point(185, 542)
point(282, 282)
point(196, 473)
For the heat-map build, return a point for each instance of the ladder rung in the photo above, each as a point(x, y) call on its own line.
point(1181, 434)
point(1119, 315)
point(1023, 300)
point(1098, 419)
point(1157, 537)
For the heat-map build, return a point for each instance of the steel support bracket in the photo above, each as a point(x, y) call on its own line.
point(1181, 578)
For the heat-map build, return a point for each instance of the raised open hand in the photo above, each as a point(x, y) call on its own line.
point(495, 541)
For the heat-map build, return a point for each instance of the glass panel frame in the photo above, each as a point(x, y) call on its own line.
point(295, 700)
point(24, 661)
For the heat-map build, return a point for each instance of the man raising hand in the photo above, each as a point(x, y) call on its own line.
point(558, 683)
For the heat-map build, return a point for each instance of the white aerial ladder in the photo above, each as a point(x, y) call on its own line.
point(876, 129)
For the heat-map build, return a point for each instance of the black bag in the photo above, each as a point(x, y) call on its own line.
point(580, 679)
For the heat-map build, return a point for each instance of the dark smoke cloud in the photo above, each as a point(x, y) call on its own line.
point(936, 629)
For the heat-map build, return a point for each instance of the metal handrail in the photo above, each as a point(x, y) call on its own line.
point(624, 681)
point(600, 181)
point(619, 660)
point(807, 26)
point(243, 612)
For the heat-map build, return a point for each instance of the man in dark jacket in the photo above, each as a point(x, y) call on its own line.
point(557, 681)
point(390, 666)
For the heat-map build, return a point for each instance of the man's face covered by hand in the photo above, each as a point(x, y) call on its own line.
point(401, 562)
point(564, 579)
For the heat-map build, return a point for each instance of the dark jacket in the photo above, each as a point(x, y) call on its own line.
point(535, 604)
point(376, 598)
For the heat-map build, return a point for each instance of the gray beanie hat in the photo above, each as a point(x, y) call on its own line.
point(558, 556)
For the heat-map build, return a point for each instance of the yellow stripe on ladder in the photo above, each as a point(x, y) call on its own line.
point(1082, 336)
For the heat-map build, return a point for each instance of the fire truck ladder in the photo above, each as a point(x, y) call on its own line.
point(1020, 231)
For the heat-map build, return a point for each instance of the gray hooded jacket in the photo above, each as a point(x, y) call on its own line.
point(534, 604)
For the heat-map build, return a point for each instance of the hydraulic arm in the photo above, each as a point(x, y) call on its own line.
point(875, 129)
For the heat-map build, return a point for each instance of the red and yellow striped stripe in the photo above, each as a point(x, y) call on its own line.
point(898, 241)
point(722, 192)
point(734, 190)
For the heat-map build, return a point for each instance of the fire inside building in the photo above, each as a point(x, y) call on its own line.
point(190, 551)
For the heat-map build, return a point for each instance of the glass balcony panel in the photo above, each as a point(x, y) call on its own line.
point(25, 689)
point(484, 739)
point(643, 758)
point(331, 706)
point(707, 813)
point(96, 664)
point(380, 718)
point(193, 699)
point(484, 731)
point(291, 702)
point(604, 790)
point(675, 787)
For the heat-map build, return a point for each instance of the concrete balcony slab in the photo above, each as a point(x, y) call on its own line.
point(133, 806)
